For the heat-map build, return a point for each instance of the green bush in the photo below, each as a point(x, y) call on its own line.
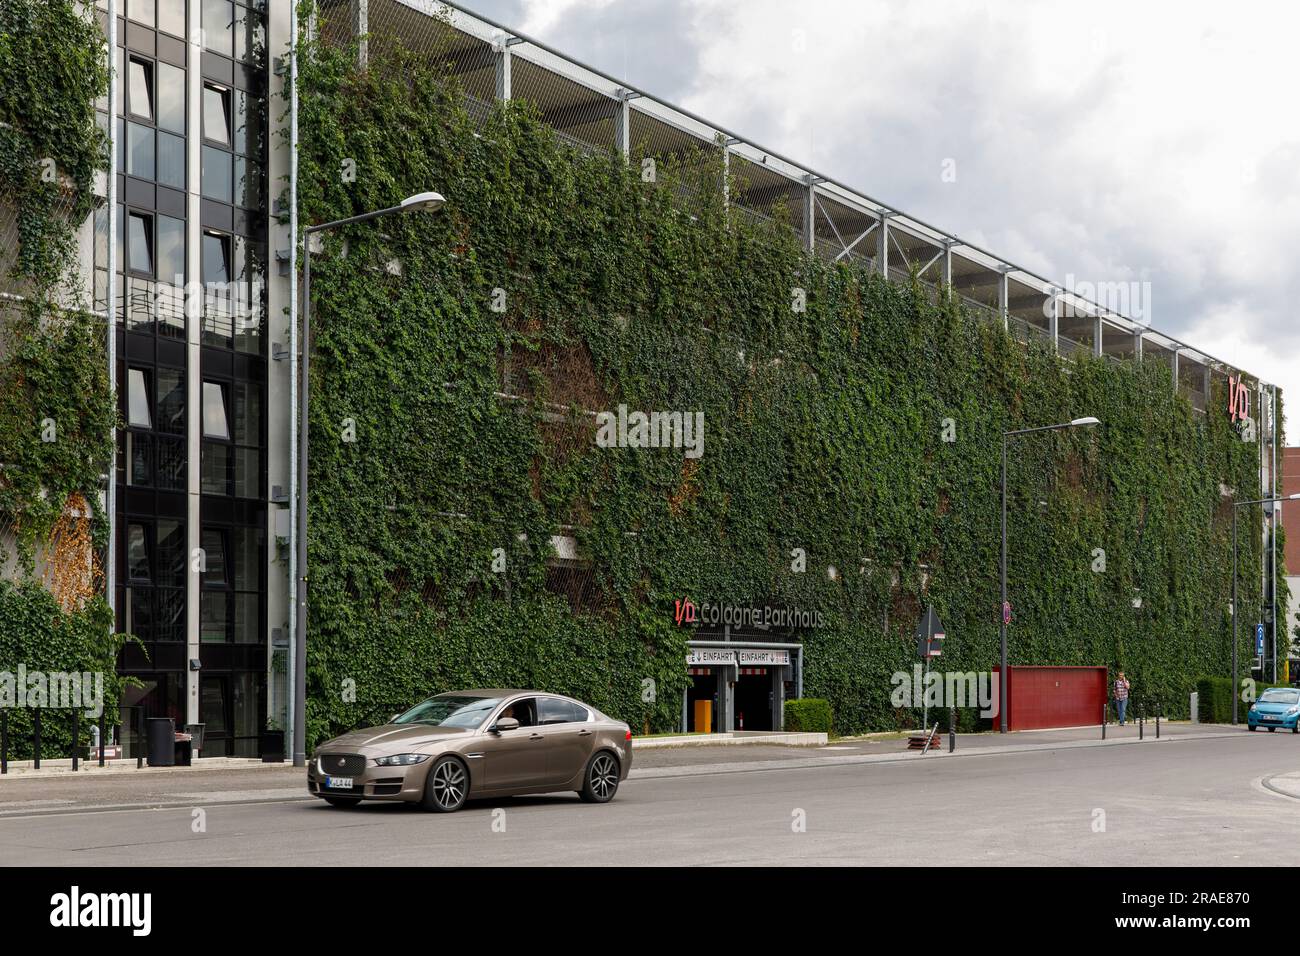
point(1214, 699)
point(808, 715)
point(38, 635)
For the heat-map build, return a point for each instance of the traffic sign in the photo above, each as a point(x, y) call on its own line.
point(1259, 640)
point(929, 635)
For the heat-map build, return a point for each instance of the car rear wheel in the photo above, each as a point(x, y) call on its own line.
point(600, 782)
point(345, 803)
point(1251, 728)
point(447, 786)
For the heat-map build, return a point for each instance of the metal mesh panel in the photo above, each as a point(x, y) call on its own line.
point(764, 195)
point(1192, 381)
point(579, 115)
point(1030, 309)
point(693, 165)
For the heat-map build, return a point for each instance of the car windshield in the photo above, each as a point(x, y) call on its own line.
point(450, 710)
point(1280, 697)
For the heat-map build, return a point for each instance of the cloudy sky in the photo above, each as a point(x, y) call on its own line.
point(1104, 141)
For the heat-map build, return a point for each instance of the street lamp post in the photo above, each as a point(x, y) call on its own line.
point(1002, 682)
point(420, 202)
point(1242, 504)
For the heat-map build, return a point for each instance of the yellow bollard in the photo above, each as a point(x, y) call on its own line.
point(704, 716)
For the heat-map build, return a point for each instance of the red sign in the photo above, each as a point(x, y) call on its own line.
point(684, 611)
point(1238, 399)
point(1006, 612)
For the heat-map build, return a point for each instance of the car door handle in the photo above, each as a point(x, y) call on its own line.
point(584, 733)
point(534, 736)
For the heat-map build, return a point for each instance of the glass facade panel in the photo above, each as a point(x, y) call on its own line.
point(218, 26)
point(171, 160)
point(139, 151)
point(217, 174)
point(171, 98)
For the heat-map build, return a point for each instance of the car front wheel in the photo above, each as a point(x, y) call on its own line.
point(1271, 729)
point(447, 786)
point(601, 780)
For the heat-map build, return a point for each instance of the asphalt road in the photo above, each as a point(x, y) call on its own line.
point(1176, 802)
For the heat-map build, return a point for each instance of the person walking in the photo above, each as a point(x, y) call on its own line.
point(1121, 696)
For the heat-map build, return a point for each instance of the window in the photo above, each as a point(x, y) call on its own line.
point(214, 558)
point(141, 11)
point(218, 26)
point(139, 151)
point(171, 401)
point(216, 174)
point(137, 554)
point(140, 244)
point(171, 98)
point(171, 251)
point(171, 17)
point(214, 412)
point(171, 160)
point(524, 711)
point(216, 113)
point(138, 399)
point(216, 258)
point(553, 711)
point(140, 79)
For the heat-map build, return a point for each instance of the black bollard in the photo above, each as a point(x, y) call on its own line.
point(76, 740)
point(1157, 720)
point(101, 737)
point(1103, 721)
point(140, 742)
point(4, 740)
point(1142, 723)
point(952, 729)
point(36, 737)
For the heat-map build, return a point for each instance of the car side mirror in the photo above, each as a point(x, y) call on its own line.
point(505, 723)
point(393, 718)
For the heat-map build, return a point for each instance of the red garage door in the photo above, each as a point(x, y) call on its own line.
point(1040, 697)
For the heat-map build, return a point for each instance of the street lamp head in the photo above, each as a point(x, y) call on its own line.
point(1084, 422)
point(423, 202)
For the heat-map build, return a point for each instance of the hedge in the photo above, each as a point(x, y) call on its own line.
point(808, 715)
point(1214, 699)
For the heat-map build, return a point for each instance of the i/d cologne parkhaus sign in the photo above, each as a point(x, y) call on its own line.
point(686, 613)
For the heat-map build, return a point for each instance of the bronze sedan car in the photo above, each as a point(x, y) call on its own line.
point(476, 743)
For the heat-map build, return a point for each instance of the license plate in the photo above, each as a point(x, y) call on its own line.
point(338, 783)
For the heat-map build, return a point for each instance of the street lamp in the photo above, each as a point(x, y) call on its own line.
point(420, 202)
point(1235, 505)
point(1086, 422)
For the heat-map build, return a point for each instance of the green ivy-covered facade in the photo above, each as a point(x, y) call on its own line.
point(452, 438)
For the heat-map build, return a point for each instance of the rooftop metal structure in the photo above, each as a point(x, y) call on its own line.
point(594, 110)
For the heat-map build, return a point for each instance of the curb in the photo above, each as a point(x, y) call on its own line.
point(804, 764)
point(730, 740)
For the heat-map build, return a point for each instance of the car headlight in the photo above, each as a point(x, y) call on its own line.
point(401, 760)
point(1293, 711)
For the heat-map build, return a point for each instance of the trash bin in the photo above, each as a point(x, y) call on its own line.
point(161, 735)
point(271, 745)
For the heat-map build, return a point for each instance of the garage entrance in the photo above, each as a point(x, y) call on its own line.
point(754, 699)
point(703, 689)
point(739, 686)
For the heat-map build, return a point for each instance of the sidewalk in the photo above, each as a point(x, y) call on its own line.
point(224, 781)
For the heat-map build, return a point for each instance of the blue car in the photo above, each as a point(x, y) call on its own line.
point(1276, 707)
